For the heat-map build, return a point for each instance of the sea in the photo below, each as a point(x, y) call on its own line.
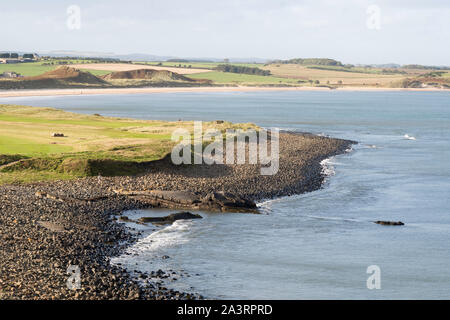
point(323, 244)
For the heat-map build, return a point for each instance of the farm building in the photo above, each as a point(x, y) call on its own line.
point(15, 58)
point(29, 57)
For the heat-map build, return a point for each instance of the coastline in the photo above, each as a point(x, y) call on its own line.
point(88, 91)
point(42, 236)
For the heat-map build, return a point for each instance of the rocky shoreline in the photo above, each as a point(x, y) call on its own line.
point(41, 236)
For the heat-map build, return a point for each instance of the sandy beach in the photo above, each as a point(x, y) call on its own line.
point(71, 92)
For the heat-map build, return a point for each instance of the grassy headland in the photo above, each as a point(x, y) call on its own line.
point(92, 144)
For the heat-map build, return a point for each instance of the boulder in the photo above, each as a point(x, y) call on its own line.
point(226, 202)
point(171, 218)
point(390, 223)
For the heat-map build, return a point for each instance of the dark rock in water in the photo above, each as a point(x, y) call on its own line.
point(125, 218)
point(214, 201)
point(225, 202)
point(170, 218)
point(390, 223)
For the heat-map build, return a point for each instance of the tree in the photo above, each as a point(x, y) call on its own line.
point(242, 69)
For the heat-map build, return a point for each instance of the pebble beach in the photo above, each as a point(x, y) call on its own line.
point(42, 237)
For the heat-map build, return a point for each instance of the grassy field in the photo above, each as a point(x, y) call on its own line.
point(334, 77)
point(92, 144)
point(301, 75)
point(37, 68)
point(26, 69)
point(243, 79)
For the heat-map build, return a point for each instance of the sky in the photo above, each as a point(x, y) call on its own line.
point(352, 31)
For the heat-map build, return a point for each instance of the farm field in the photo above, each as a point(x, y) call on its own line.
point(294, 71)
point(239, 78)
point(31, 69)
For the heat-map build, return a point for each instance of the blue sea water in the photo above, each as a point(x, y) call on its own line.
point(316, 245)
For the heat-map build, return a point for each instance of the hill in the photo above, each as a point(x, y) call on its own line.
point(61, 77)
point(68, 74)
point(147, 74)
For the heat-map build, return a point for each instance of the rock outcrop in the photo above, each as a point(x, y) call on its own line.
point(214, 201)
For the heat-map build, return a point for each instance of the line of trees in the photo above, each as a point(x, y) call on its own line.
point(242, 69)
point(311, 61)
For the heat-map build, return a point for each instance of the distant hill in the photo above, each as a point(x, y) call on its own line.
point(419, 66)
point(383, 65)
point(143, 57)
point(105, 55)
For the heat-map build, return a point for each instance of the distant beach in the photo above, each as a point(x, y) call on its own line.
point(61, 92)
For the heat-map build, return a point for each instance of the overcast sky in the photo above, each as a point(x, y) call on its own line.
point(408, 31)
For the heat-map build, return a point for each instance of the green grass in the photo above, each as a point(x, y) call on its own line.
point(29, 176)
point(26, 69)
point(10, 146)
point(97, 73)
point(239, 78)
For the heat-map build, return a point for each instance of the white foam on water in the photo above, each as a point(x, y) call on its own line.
point(327, 167)
point(407, 137)
point(170, 236)
point(266, 205)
